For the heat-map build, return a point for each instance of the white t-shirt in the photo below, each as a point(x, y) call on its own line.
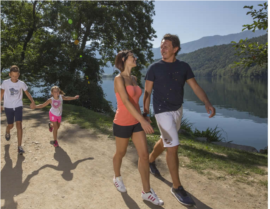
point(57, 105)
point(13, 93)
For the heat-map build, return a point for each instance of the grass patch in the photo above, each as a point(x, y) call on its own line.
point(233, 162)
point(86, 118)
point(264, 183)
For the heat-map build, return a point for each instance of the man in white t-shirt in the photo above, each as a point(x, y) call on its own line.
point(12, 90)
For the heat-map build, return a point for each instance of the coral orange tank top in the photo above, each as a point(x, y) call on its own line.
point(123, 117)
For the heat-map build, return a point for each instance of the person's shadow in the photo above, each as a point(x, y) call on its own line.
point(11, 180)
point(198, 203)
point(65, 163)
point(133, 205)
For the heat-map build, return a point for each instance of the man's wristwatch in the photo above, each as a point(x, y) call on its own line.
point(146, 114)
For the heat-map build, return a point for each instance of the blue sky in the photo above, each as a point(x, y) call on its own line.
point(192, 20)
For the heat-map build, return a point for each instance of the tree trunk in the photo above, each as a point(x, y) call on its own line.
point(30, 32)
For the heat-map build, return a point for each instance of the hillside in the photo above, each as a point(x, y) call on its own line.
point(212, 41)
point(217, 61)
point(197, 44)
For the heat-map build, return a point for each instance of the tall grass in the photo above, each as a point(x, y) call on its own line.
point(212, 135)
point(186, 125)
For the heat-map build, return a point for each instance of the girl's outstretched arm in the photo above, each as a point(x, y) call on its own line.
point(49, 101)
point(70, 98)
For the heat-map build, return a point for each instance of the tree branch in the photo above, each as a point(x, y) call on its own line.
point(30, 32)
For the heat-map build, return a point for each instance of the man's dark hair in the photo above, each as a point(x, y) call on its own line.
point(14, 68)
point(174, 39)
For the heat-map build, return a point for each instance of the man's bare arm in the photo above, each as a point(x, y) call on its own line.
point(147, 95)
point(202, 96)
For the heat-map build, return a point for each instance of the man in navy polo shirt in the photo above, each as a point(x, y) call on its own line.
point(167, 78)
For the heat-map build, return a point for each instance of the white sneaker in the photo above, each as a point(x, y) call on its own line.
point(152, 197)
point(119, 184)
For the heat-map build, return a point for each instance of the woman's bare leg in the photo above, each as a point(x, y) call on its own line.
point(139, 140)
point(121, 148)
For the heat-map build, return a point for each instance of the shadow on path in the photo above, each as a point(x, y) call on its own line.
point(11, 180)
point(129, 201)
point(65, 163)
point(198, 203)
point(133, 205)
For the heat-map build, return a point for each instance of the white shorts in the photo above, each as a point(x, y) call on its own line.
point(169, 123)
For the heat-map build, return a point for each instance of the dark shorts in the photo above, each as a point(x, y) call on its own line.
point(126, 131)
point(12, 113)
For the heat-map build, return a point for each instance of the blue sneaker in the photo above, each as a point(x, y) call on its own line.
point(153, 169)
point(20, 150)
point(7, 136)
point(182, 197)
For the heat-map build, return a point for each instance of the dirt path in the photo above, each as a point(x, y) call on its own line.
point(78, 174)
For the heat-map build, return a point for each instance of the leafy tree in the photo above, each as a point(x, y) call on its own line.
point(253, 52)
point(55, 42)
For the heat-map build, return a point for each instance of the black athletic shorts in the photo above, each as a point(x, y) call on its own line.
point(126, 131)
point(12, 113)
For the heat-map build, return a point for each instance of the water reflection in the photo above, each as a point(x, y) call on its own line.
point(244, 95)
point(241, 106)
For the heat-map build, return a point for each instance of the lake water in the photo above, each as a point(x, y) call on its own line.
point(241, 106)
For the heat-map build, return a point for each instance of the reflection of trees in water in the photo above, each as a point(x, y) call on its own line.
point(11, 180)
point(245, 94)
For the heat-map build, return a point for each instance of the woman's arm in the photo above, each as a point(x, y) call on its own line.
point(49, 101)
point(120, 88)
point(70, 98)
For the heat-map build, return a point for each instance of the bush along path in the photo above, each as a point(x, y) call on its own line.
point(79, 173)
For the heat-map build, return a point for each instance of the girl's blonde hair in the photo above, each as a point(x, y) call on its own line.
point(56, 87)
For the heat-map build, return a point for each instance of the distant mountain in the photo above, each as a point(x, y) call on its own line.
point(218, 61)
point(212, 41)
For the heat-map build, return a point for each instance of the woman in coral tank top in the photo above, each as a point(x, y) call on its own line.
point(129, 123)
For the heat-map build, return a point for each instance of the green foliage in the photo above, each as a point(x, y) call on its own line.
point(265, 151)
point(217, 61)
point(55, 42)
point(253, 52)
point(212, 135)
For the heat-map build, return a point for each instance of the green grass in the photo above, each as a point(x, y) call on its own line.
point(264, 183)
point(86, 118)
point(205, 158)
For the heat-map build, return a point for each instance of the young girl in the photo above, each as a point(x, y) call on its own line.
point(55, 112)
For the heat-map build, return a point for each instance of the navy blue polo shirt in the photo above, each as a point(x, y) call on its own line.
point(169, 80)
